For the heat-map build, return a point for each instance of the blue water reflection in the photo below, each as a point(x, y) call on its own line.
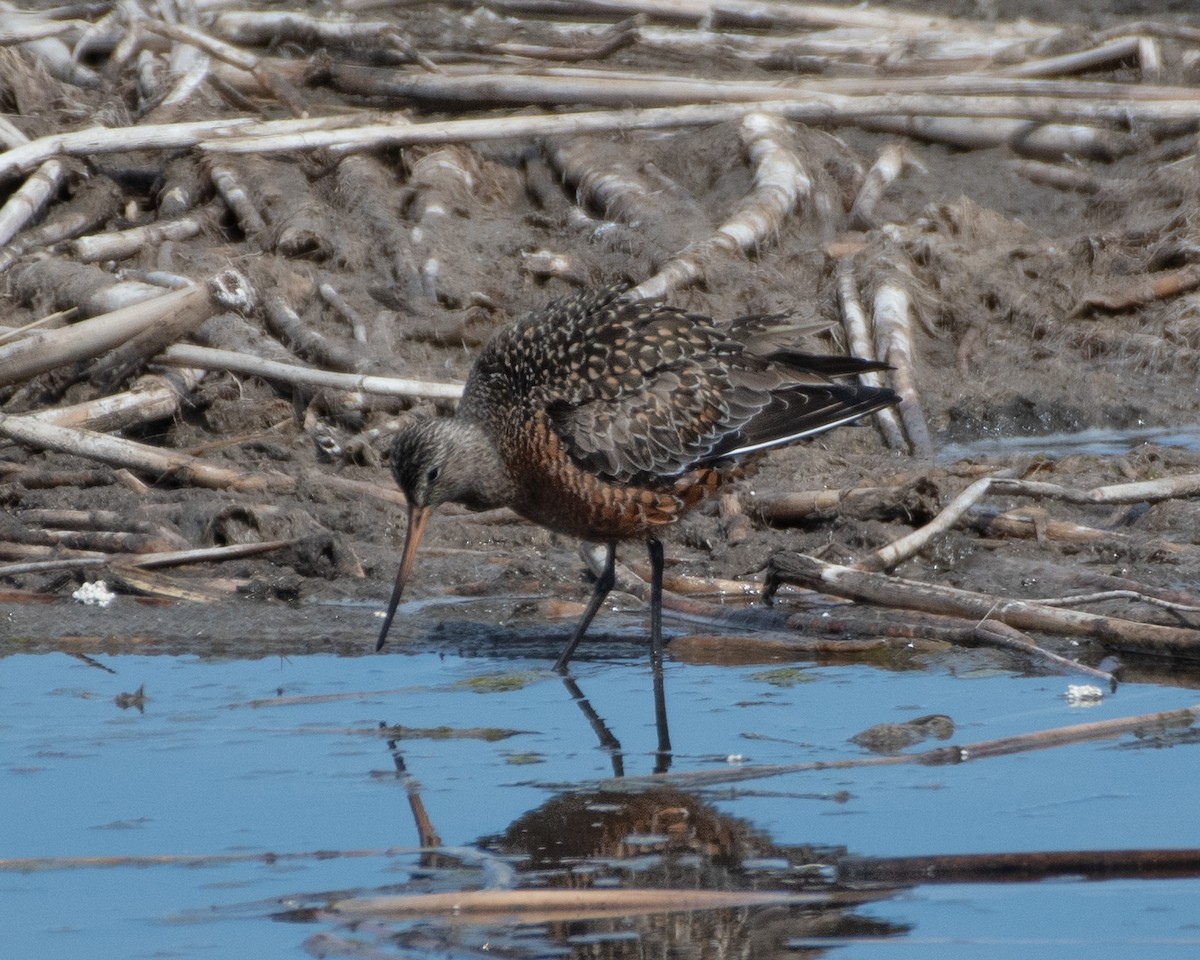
point(280, 755)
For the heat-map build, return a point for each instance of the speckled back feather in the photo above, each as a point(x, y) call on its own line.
point(640, 393)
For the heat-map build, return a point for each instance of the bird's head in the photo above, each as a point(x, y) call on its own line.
point(436, 461)
point(427, 463)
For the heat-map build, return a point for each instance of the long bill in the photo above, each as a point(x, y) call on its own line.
point(417, 518)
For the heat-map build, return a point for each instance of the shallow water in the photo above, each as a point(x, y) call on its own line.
point(1095, 442)
point(283, 755)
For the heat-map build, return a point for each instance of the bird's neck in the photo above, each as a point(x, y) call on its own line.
point(484, 481)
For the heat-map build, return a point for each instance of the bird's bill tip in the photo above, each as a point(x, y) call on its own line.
point(417, 518)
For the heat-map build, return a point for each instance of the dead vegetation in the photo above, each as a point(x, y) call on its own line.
point(237, 244)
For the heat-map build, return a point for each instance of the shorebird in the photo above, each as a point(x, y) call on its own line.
point(608, 418)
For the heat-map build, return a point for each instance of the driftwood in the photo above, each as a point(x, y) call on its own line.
point(780, 183)
point(894, 345)
point(934, 77)
point(142, 457)
point(1140, 724)
point(44, 351)
point(185, 355)
point(544, 905)
point(1119, 634)
point(861, 344)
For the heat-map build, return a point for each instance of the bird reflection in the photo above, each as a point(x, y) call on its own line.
point(609, 742)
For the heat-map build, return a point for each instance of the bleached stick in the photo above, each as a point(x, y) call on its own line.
point(891, 162)
point(186, 355)
point(893, 339)
point(117, 245)
point(28, 200)
point(152, 397)
point(780, 183)
point(151, 136)
point(1114, 51)
point(858, 340)
point(139, 456)
point(45, 350)
point(913, 543)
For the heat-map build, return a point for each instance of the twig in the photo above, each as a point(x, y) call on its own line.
point(1004, 637)
point(270, 80)
point(230, 188)
point(1140, 291)
point(938, 756)
point(780, 183)
point(1022, 867)
point(890, 163)
point(31, 864)
point(1130, 635)
point(206, 358)
point(893, 340)
point(913, 543)
point(860, 343)
point(331, 296)
point(138, 456)
point(1166, 488)
point(573, 903)
point(48, 349)
point(1106, 595)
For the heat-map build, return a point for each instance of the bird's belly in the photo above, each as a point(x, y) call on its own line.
point(556, 492)
point(596, 510)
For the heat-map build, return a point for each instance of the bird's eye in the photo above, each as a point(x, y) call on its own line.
point(433, 474)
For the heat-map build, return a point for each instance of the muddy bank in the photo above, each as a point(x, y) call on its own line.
point(1052, 291)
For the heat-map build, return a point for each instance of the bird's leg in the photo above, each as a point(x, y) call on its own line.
point(604, 583)
point(608, 741)
point(656, 580)
point(663, 760)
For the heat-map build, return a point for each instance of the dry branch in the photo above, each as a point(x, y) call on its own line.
point(569, 903)
point(893, 345)
point(46, 350)
point(910, 545)
point(860, 343)
point(95, 202)
point(1166, 488)
point(1052, 141)
point(939, 756)
point(1059, 176)
point(1128, 635)
point(1026, 525)
point(908, 502)
point(159, 463)
point(1105, 55)
point(780, 183)
point(1125, 294)
point(890, 163)
point(1023, 867)
point(186, 355)
point(150, 398)
point(762, 13)
point(28, 200)
point(117, 245)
